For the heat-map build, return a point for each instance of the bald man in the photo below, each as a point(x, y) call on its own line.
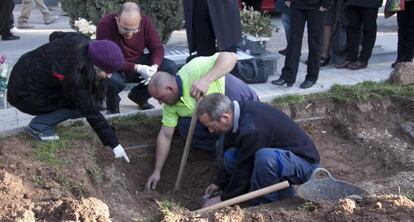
point(133, 32)
point(201, 76)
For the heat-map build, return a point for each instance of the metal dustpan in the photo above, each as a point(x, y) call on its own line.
point(327, 189)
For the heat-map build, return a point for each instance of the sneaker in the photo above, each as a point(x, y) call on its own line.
point(41, 136)
point(24, 25)
point(50, 20)
point(9, 37)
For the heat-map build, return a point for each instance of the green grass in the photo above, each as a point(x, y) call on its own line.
point(75, 187)
point(410, 196)
point(308, 206)
point(355, 93)
point(46, 152)
point(38, 181)
point(135, 120)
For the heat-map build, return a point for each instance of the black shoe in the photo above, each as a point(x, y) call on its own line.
point(9, 37)
point(281, 82)
point(306, 84)
point(324, 61)
point(357, 65)
point(112, 111)
point(141, 105)
point(393, 64)
point(145, 106)
point(283, 51)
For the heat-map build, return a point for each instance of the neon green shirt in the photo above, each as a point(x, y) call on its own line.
point(190, 72)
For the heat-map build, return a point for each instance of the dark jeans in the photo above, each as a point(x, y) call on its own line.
point(118, 80)
point(298, 18)
point(235, 89)
point(405, 21)
point(367, 17)
point(46, 123)
point(271, 166)
point(6, 10)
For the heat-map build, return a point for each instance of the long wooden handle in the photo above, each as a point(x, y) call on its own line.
point(187, 147)
point(245, 197)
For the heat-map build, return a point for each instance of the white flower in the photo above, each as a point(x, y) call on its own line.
point(85, 27)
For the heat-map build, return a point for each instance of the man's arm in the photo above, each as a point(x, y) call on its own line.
point(225, 62)
point(161, 153)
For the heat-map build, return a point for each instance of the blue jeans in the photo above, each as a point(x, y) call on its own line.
point(46, 123)
point(271, 166)
point(118, 80)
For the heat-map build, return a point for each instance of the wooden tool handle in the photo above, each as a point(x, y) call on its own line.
point(245, 197)
point(186, 147)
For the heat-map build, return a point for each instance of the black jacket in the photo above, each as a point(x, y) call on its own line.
point(366, 3)
point(261, 126)
point(311, 4)
point(225, 19)
point(59, 75)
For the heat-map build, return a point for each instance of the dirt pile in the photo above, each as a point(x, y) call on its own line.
point(374, 208)
point(14, 204)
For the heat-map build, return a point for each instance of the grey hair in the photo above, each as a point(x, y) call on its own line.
point(215, 105)
point(128, 6)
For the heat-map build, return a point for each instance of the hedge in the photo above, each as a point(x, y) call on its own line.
point(167, 15)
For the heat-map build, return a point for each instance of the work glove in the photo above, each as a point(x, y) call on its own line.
point(119, 152)
point(146, 72)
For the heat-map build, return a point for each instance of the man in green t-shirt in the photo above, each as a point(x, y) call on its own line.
point(201, 76)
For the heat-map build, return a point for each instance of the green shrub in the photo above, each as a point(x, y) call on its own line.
point(167, 15)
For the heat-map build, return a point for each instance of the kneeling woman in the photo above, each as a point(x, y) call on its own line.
point(62, 79)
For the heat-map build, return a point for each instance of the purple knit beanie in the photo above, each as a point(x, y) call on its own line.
point(106, 55)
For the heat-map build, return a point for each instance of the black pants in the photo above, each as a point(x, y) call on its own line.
point(406, 33)
point(117, 83)
point(205, 39)
point(314, 19)
point(6, 10)
point(367, 18)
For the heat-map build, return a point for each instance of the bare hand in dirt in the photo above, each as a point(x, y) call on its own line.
point(152, 181)
point(212, 201)
point(287, 3)
point(199, 88)
point(211, 189)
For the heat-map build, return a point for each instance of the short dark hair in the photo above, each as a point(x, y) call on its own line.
point(215, 105)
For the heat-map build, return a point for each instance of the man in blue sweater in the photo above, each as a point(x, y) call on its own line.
point(262, 146)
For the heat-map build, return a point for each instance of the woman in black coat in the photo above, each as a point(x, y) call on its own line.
point(63, 78)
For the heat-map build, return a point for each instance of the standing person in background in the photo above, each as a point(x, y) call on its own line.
point(256, 4)
point(360, 13)
point(405, 21)
point(133, 32)
point(209, 20)
point(285, 16)
point(6, 11)
point(27, 7)
point(301, 12)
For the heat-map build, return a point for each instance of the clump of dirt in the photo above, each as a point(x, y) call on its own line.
point(403, 74)
point(373, 208)
point(14, 204)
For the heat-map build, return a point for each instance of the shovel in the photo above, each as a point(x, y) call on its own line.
point(328, 189)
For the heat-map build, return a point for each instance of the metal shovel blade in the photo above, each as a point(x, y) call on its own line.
point(328, 189)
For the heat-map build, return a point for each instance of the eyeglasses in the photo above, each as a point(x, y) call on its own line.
point(123, 30)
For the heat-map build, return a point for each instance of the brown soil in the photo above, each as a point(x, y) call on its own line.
point(361, 143)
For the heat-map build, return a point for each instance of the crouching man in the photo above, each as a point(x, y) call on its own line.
point(262, 146)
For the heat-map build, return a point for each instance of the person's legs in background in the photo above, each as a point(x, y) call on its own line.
point(369, 24)
point(205, 40)
point(47, 18)
point(315, 29)
point(329, 20)
point(26, 11)
point(286, 26)
point(353, 36)
point(405, 21)
point(6, 11)
point(290, 69)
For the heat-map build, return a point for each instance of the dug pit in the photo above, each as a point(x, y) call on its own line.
point(359, 142)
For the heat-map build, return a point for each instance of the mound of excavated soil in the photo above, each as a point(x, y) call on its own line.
point(403, 74)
